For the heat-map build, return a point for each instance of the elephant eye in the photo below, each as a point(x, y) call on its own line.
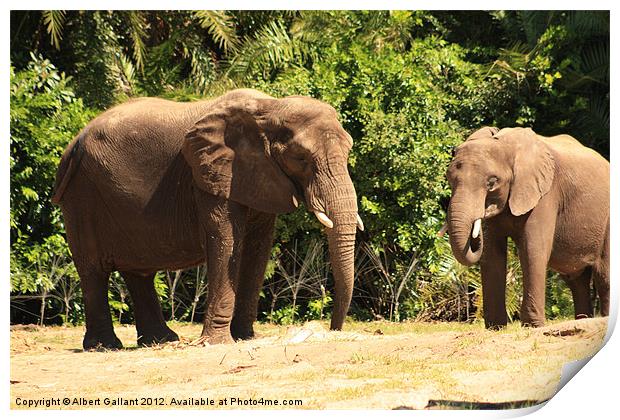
point(295, 154)
point(492, 182)
point(296, 162)
point(300, 160)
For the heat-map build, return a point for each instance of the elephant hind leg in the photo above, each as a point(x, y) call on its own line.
point(601, 284)
point(600, 276)
point(150, 323)
point(99, 329)
point(580, 285)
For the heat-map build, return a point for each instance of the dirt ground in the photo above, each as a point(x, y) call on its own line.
point(368, 365)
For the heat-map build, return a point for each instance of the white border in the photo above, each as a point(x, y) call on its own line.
point(591, 393)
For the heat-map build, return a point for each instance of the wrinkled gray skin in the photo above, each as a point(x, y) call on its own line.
point(154, 184)
point(551, 196)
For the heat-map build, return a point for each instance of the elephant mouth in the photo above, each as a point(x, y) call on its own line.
point(321, 214)
point(475, 235)
point(326, 221)
point(474, 244)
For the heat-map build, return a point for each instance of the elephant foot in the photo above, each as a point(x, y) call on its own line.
point(243, 335)
point(218, 337)
point(221, 339)
point(582, 316)
point(495, 327)
point(241, 332)
point(159, 337)
point(108, 341)
point(495, 324)
point(533, 324)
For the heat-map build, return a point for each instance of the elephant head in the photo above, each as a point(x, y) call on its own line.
point(268, 153)
point(490, 169)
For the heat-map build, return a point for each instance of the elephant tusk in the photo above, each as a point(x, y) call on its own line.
point(295, 203)
point(324, 219)
point(443, 230)
point(360, 224)
point(476, 230)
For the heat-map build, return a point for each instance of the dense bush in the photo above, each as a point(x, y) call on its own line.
point(45, 115)
point(408, 86)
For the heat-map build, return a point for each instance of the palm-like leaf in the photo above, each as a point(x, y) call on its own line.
point(137, 30)
point(534, 23)
point(270, 48)
point(202, 66)
point(587, 23)
point(590, 67)
point(572, 50)
point(455, 291)
point(126, 73)
point(311, 24)
point(54, 21)
point(374, 28)
point(221, 27)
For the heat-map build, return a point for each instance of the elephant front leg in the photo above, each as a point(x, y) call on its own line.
point(224, 232)
point(257, 246)
point(493, 272)
point(534, 252)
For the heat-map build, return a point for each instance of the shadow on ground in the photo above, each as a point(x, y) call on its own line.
point(471, 405)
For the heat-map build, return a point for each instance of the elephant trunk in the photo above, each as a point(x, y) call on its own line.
point(465, 227)
point(340, 203)
point(341, 254)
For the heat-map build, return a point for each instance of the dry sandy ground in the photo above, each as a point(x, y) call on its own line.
point(369, 365)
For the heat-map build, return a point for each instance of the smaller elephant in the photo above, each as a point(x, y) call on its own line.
point(551, 196)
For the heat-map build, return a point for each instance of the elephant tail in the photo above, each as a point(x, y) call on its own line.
point(68, 164)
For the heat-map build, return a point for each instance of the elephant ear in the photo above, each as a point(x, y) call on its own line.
point(230, 157)
point(483, 132)
point(533, 169)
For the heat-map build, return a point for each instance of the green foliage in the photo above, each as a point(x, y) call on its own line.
point(137, 28)
point(316, 307)
point(42, 266)
point(383, 284)
point(45, 116)
point(221, 27)
point(285, 315)
point(54, 19)
point(267, 51)
point(558, 297)
point(96, 56)
point(45, 271)
point(558, 64)
point(451, 292)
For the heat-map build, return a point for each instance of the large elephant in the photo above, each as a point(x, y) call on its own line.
point(153, 184)
point(551, 196)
